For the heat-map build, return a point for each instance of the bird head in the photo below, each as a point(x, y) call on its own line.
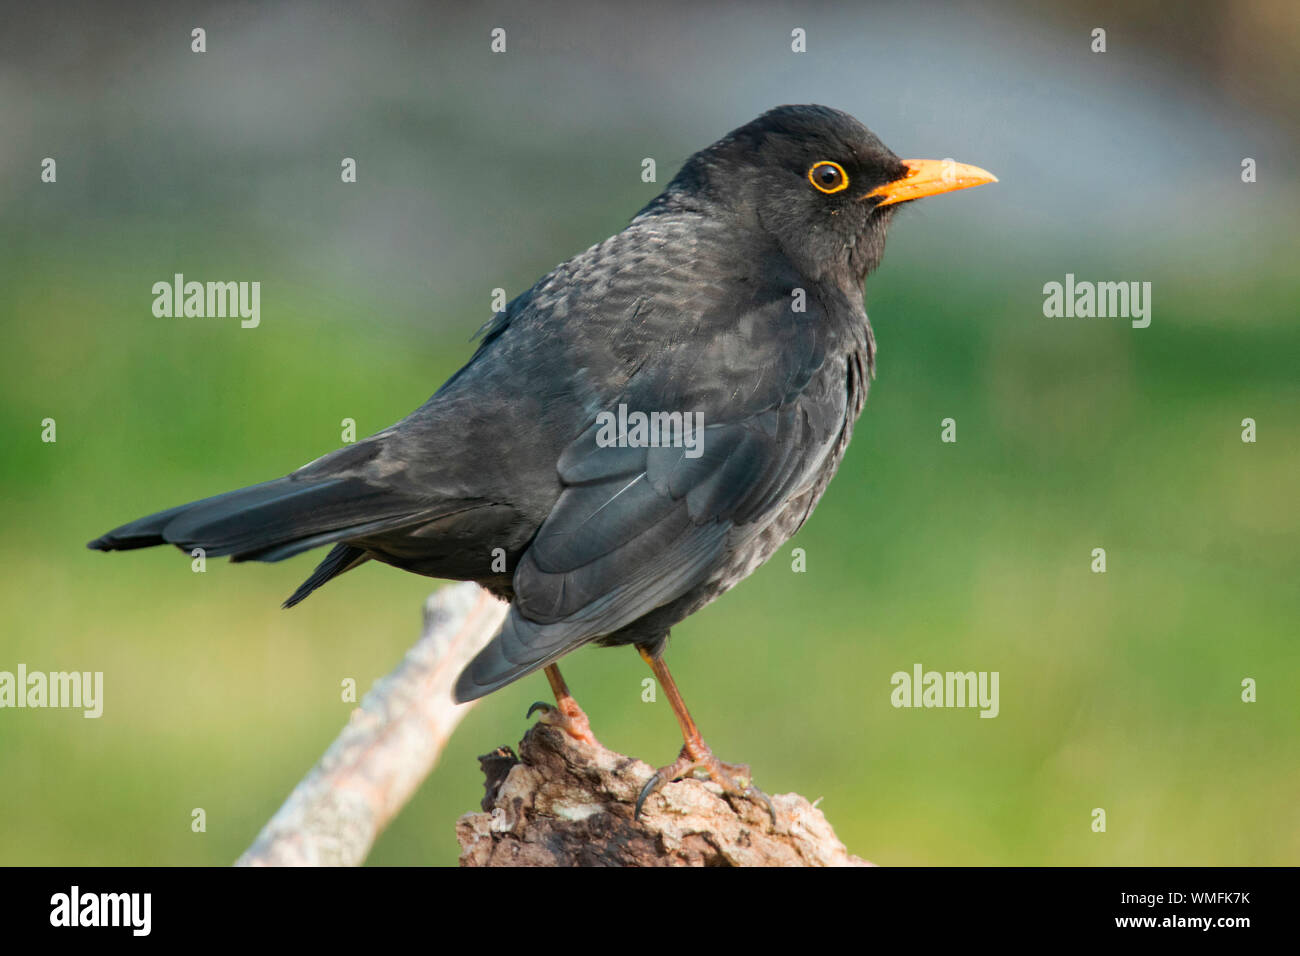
point(815, 181)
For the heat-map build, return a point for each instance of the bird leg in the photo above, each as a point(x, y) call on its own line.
point(695, 756)
point(566, 714)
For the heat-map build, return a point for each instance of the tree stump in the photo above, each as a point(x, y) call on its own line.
point(566, 803)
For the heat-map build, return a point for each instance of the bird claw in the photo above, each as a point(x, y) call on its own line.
point(735, 780)
point(572, 721)
point(653, 785)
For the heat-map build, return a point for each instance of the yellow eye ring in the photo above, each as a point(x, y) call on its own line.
point(828, 177)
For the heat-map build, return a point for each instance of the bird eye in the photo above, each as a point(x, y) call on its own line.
point(828, 177)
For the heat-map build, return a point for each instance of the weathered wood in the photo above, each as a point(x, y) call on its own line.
point(566, 803)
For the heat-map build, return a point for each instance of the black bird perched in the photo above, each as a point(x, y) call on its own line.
point(732, 301)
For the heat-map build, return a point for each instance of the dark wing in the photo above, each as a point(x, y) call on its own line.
point(636, 528)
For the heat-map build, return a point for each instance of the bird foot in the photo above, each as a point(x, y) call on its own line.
point(734, 778)
point(568, 717)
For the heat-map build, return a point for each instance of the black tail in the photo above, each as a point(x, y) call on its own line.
point(342, 557)
point(272, 521)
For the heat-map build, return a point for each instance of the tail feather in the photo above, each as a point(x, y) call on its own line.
point(144, 532)
point(342, 558)
point(251, 521)
point(271, 521)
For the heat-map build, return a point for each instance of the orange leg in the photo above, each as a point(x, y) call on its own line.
point(695, 754)
point(566, 714)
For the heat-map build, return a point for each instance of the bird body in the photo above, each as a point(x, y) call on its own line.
point(733, 299)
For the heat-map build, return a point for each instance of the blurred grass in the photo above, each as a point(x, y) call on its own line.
point(1118, 691)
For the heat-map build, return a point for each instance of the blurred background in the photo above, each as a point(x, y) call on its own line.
point(474, 171)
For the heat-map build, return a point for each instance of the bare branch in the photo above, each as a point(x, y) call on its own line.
point(389, 746)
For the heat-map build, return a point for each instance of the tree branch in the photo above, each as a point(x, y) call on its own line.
point(389, 746)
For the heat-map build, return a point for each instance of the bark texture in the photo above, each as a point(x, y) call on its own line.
point(566, 803)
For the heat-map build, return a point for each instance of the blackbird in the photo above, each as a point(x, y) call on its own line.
point(634, 434)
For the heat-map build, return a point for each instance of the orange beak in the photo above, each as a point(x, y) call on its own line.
point(929, 177)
